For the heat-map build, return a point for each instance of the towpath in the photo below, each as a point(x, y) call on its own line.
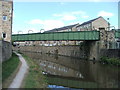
point(17, 81)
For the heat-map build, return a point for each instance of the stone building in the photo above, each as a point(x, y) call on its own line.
point(93, 24)
point(6, 13)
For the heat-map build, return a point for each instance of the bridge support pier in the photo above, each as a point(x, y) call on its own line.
point(97, 46)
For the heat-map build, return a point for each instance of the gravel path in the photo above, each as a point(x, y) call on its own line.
point(17, 81)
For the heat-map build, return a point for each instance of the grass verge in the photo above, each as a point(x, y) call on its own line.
point(9, 69)
point(111, 61)
point(34, 77)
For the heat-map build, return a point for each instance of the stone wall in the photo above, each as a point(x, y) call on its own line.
point(112, 53)
point(86, 50)
point(94, 50)
point(6, 13)
point(5, 50)
point(73, 51)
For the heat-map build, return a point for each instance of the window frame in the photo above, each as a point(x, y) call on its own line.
point(4, 17)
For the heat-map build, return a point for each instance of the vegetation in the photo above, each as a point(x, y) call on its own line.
point(34, 77)
point(112, 61)
point(9, 66)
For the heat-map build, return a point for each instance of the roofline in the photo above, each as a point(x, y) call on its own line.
point(90, 20)
point(63, 27)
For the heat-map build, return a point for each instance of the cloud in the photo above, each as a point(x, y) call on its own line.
point(47, 24)
point(60, 20)
point(62, 3)
point(50, 24)
point(78, 12)
point(105, 14)
point(67, 16)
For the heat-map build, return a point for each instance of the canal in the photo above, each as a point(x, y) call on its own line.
point(70, 72)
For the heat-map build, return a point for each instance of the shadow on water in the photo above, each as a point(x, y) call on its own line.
point(69, 72)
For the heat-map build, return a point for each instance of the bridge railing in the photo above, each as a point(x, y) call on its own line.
point(52, 36)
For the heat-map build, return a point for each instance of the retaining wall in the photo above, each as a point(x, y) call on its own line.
point(73, 51)
point(81, 51)
point(112, 53)
point(88, 50)
point(5, 50)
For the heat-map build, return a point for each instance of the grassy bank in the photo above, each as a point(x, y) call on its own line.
point(34, 78)
point(111, 61)
point(9, 67)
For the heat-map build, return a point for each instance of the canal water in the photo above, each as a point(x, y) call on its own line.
point(67, 72)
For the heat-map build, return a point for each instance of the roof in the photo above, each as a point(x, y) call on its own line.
point(62, 28)
point(88, 22)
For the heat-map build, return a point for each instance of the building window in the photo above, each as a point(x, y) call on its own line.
point(5, 18)
point(3, 35)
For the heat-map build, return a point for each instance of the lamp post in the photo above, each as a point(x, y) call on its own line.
point(29, 31)
point(108, 23)
point(41, 30)
point(20, 31)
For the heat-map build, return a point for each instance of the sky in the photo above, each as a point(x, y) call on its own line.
point(35, 16)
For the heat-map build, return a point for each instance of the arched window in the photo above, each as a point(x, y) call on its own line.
point(3, 35)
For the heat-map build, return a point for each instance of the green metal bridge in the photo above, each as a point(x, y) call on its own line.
point(54, 36)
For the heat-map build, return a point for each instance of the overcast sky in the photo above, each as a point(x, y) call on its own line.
point(48, 15)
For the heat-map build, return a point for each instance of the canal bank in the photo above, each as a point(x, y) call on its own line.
point(18, 80)
point(71, 72)
point(34, 77)
point(16, 74)
point(9, 70)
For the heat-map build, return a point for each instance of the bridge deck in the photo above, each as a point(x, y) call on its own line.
point(53, 36)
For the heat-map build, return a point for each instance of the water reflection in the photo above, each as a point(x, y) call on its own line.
point(76, 73)
point(56, 69)
point(55, 87)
